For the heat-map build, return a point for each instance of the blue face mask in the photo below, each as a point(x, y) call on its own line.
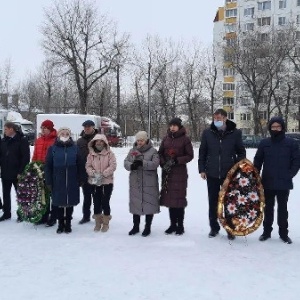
point(218, 123)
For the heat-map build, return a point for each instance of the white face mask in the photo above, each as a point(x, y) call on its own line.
point(64, 139)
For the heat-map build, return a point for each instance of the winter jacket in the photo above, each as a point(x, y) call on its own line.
point(63, 172)
point(280, 160)
point(103, 162)
point(41, 146)
point(14, 156)
point(219, 150)
point(175, 145)
point(83, 143)
point(143, 182)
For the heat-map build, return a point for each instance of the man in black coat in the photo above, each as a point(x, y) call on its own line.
point(221, 147)
point(280, 158)
point(14, 156)
point(87, 135)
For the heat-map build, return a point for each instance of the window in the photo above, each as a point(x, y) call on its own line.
point(228, 86)
point(228, 57)
point(297, 35)
point(264, 21)
point(231, 13)
point(282, 4)
point(297, 51)
point(264, 37)
point(249, 26)
point(230, 42)
point(228, 101)
point(245, 117)
point(249, 12)
point(230, 28)
point(298, 2)
point(262, 115)
point(264, 5)
point(281, 21)
point(264, 99)
point(244, 87)
point(228, 72)
point(245, 102)
point(298, 19)
point(229, 1)
point(230, 115)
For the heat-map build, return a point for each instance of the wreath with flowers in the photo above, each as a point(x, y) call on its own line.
point(32, 195)
point(241, 200)
point(170, 154)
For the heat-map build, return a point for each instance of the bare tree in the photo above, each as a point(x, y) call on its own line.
point(78, 38)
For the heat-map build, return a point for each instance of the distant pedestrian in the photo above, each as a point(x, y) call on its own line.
point(14, 156)
point(142, 161)
point(221, 147)
point(64, 172)
point(100, 167)
point(175, 152)
point(88, 133)
point(279, 157)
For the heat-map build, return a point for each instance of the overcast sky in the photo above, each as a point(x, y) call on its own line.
point(180, 19)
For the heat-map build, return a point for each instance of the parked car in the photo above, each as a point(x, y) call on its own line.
point(251, 141)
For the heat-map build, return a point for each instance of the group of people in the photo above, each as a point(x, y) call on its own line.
point(90, 163)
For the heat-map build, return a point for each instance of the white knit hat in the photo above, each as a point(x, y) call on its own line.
point(141, 135)
point(63, 128)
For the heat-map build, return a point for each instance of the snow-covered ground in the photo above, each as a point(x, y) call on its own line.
point(37, 263)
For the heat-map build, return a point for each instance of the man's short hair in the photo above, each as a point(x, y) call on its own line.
point(11, 125)
point(221, 111)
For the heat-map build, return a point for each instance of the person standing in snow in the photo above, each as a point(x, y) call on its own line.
point(100, 167)
point(14, 156)
point(175, 152)
point(64, 172)
point(142, 161)
point(279, 156)
point(87, 135)
point(41, 145)
point(221, 147)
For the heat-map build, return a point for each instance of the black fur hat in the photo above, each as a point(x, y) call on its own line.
point(176, 121)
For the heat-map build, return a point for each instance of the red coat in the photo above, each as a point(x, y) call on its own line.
point(41, 146)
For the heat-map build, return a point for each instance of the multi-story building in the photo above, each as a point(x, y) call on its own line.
point(234, 18)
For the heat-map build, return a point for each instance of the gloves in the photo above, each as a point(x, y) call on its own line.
point(169, 164)
point(97, 179)
point(136, 164)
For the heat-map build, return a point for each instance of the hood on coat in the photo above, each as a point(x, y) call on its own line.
point(97, 137)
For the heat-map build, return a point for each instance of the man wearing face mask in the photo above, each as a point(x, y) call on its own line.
point(221, 147)
point(280, 158)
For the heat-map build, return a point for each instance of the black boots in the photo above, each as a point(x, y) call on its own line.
point(176, 219)
point(84, 220)
point(61, 226)
point(147, 229)
point(136, 225)
point(5, 217)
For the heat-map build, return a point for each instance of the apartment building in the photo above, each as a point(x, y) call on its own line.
point(234, 18)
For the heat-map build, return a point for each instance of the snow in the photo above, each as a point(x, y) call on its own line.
point(37, 263)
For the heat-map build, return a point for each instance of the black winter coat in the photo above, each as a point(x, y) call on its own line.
point(280, 160)
point(82, 144)
point(14, 156)
point(219, 150)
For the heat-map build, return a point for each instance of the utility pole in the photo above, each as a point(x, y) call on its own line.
point(149, 100)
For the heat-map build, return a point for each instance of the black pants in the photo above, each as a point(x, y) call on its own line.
point(52, 211)
point(176, 216)
point(213, 187)
point(64, 212)
point(101, 196)
point(282, 212)
point(87, 190)
point(6, 189)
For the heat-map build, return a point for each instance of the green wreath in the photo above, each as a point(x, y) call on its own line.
point(32, 194)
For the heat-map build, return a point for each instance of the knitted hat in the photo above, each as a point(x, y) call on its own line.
point(88, 123)
point(141, 135)
point(176, 121)
point(48, 124)
point(63, 128)
point(277, 120)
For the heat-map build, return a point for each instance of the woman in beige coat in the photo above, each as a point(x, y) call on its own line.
point(100, 167)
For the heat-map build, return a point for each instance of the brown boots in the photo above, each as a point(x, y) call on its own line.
point(101, 222)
